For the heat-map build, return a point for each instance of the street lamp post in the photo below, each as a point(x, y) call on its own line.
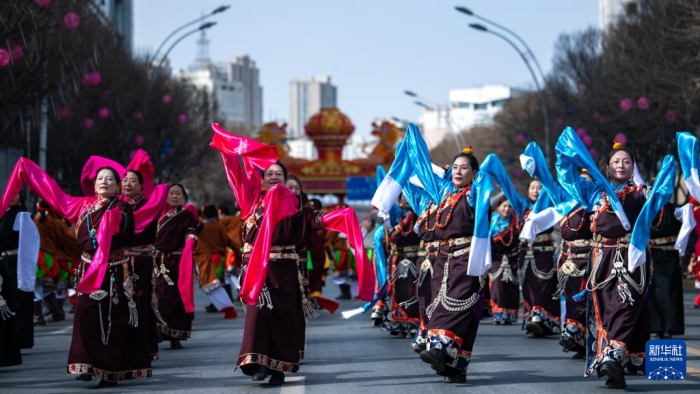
point(540, 92)
point(218, 10)
point(471, 13)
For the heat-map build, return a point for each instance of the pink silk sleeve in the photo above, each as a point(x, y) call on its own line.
point(279, 203)
point(94, 163)
point(142, 163)
point(345, 221)
point(245, 179)
point(28, 173)
point(109, 224)
point(154, 207)
point(186, 271)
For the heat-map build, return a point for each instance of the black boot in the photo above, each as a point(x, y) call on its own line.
point(55, 307)
point(38, 315)
point(344, 292)
point(615, 374)
point(229, 291)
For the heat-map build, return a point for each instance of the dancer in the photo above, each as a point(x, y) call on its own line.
point(461, 225)
point(274, 227)
point(503, 277)
point(176, 236)
point(617, 282)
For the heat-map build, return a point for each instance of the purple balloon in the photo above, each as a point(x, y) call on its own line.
point(581, 132)
point(88, 123)
point(643, 103)
point(4, 57)
point(521, 138)
point(71, 20)
point(139, 140)
point(64, 113)
point(104, 113)
point(182, 118)
point(626, 104)
point(166, 98)
point(594, 153)
point(138, 115)
point(587, 140)
point(671, 116)
point(621, 138)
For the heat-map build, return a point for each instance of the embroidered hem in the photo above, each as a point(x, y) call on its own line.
point(171, 332)
point(76, 369)
point(276, 365)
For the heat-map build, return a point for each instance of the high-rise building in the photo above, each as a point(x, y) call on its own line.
point(466, 108)
point(242, 69)
point(120, 15)
point(306, 97)
point(610, 11)
point(234, 84)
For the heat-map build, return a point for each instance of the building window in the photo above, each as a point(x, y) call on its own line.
point(463, 105)
point(481, 106)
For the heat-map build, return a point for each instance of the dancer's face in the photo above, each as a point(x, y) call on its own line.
point(176, 198)
point(106, 184)
point(272, 176)
point(533, 191)
point(505, 209)
point(462, 173)
point(620, 167)
point(130, 185)
point(293, 186)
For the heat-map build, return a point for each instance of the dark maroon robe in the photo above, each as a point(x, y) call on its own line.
point(173, 229)
point(141, 251)
point(102, 344)
point(405, 245)
point(503, 274)
point(273, 334)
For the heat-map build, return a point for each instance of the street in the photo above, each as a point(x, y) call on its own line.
point(342, 356)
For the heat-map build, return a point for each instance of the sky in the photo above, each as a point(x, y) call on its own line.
point(373, 50)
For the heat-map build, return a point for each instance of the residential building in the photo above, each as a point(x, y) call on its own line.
point(610, 11)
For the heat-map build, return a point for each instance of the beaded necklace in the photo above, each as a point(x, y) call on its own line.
point(405, 223)
point(451, 202)
point(91, 223)
point(567, 222)
point(508, 230)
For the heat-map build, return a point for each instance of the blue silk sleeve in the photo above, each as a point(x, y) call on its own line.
point(492, 165)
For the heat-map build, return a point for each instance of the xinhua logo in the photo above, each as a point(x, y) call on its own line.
point(665, 359)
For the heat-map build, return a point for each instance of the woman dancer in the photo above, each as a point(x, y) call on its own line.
point(503, 277)
point(105, 302)
point(274, 227)
point(617, 282)
point(176, 235)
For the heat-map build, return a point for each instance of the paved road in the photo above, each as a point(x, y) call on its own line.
point(343, 356)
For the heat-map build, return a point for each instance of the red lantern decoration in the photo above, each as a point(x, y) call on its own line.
point(88, 123)
point(643, 103)
point(104, 113)
point(4, 58)
point(621, 138)
point(71, 20)
point(626, 104)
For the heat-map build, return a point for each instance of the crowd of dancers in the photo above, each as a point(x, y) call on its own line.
point(441, 251)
